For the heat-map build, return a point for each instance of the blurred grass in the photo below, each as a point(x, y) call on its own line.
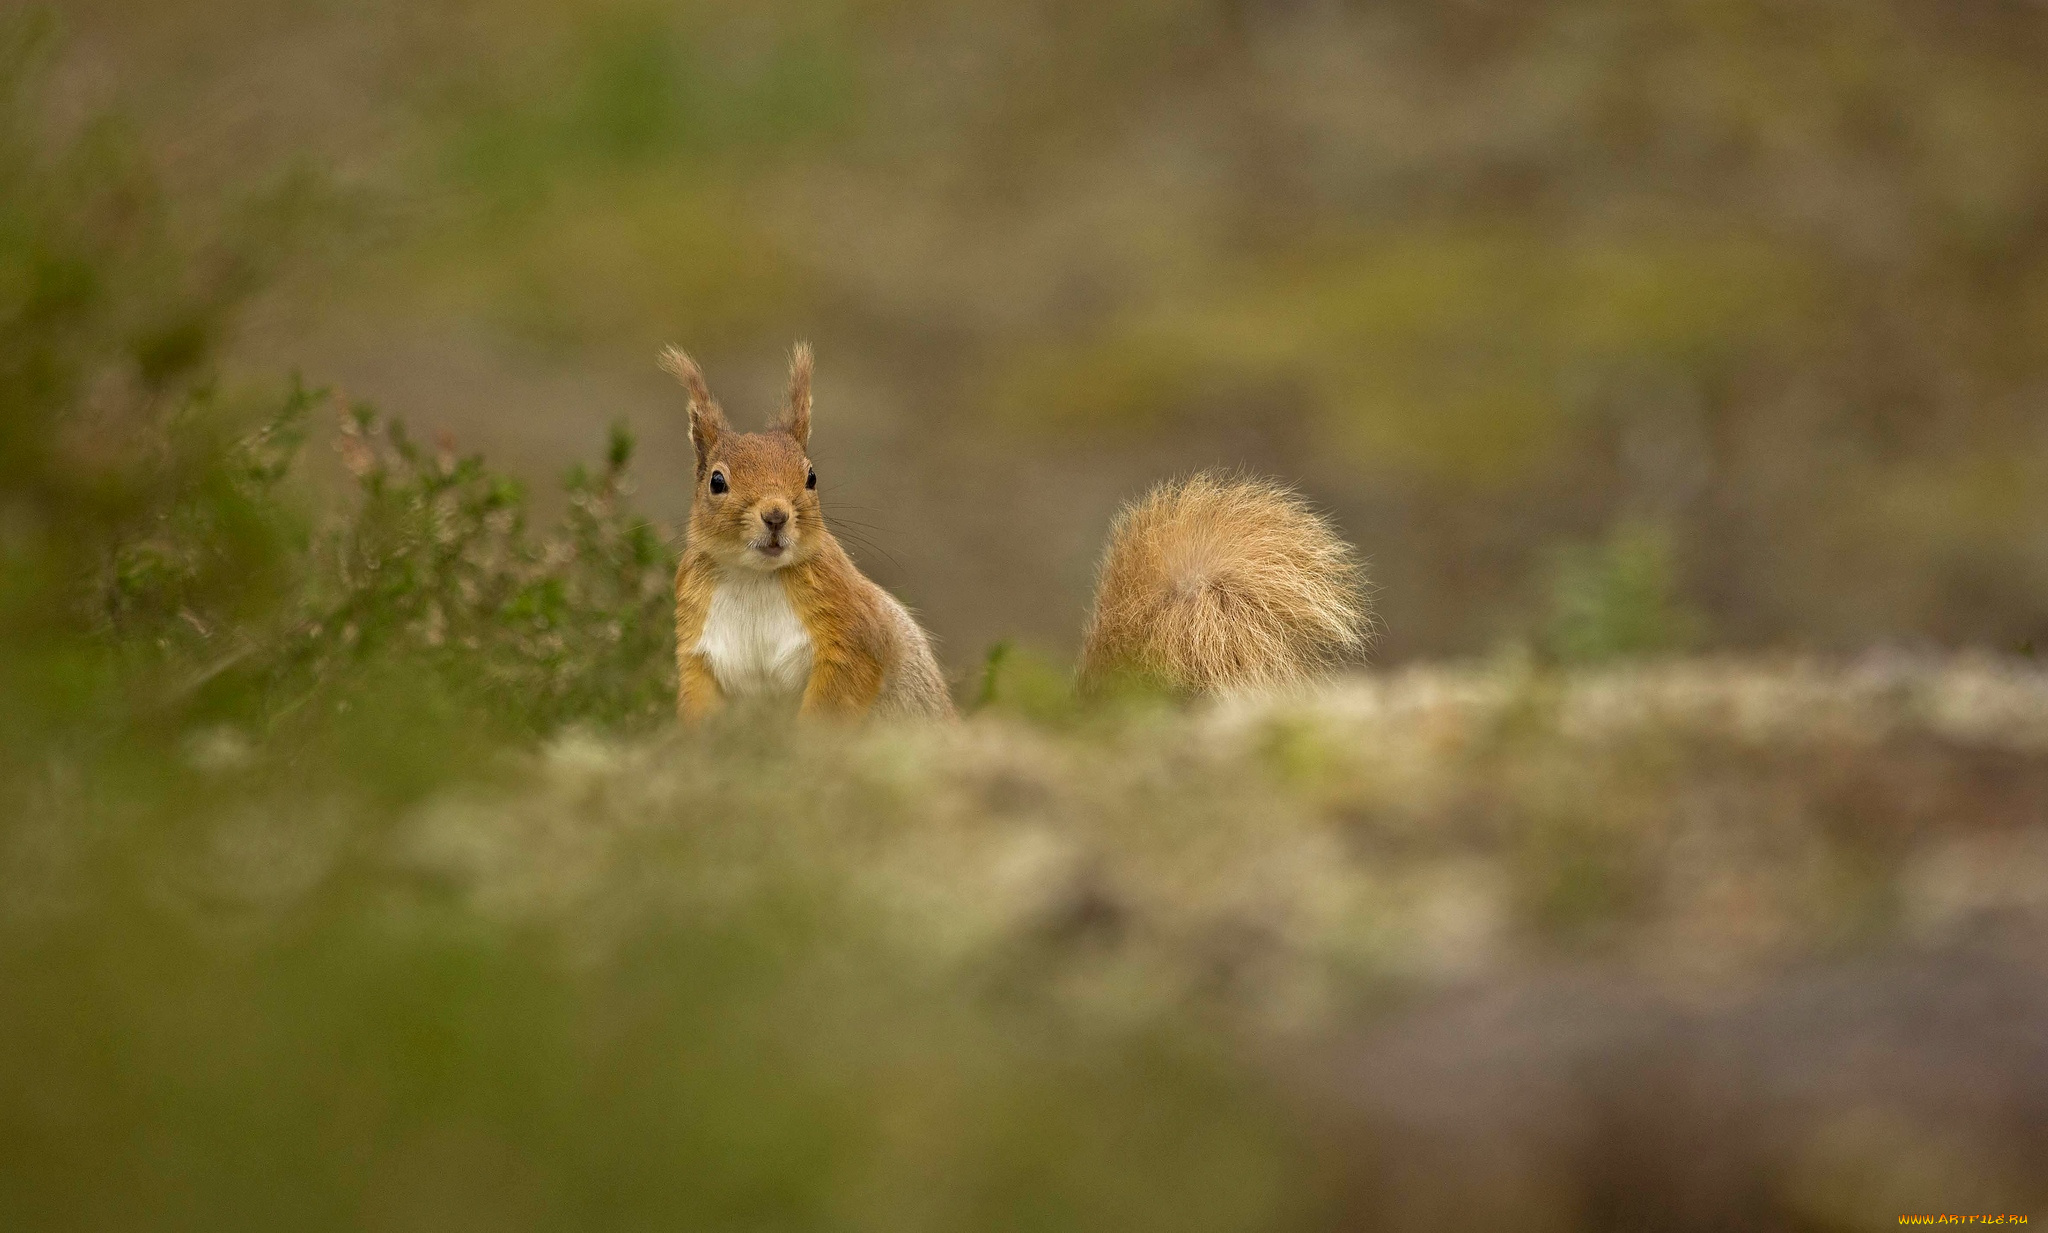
point(1457, 356)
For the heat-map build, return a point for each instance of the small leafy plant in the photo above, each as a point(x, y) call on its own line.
point(432, 569)
point(1617, 598)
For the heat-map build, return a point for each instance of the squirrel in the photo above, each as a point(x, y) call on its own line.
point(1210, 585)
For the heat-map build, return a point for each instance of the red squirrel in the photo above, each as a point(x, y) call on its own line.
point(1210, 585)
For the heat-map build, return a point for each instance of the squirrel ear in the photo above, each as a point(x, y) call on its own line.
point(799, 421)
point(707, 418)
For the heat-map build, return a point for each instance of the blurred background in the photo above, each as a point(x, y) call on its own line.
point(1596, 325)
point(1680, 863)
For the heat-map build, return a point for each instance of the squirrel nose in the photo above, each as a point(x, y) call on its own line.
point(775, 519)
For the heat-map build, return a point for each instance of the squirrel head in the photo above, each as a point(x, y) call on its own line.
point(756, 500)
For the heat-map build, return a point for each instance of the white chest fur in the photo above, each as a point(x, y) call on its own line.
point(753, 639)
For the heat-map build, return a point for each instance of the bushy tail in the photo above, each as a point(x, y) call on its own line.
point(1219, 584)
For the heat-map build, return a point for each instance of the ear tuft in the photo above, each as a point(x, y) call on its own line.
point(678, 362)
point(707, 418)
point(798, 419)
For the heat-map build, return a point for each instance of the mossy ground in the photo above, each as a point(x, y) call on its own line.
point(993, 975)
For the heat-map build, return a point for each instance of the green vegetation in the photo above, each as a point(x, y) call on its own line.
point(1617, 598)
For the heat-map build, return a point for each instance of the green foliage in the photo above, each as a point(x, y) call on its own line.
point(214, 555)
point(103, 424)
point(1020, 681)
point(243, 606)
point(160, 559)
point(1617, 597)
point(436, 567)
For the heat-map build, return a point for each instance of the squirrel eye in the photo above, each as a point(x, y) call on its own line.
point(718, 484)
point(811, 480)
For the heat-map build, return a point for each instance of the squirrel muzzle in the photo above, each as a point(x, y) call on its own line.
point(777, 536)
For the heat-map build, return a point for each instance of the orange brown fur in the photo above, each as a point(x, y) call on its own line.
point(698, 694)
point(866, 651)
point(852, 651)
point(1221, 585)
